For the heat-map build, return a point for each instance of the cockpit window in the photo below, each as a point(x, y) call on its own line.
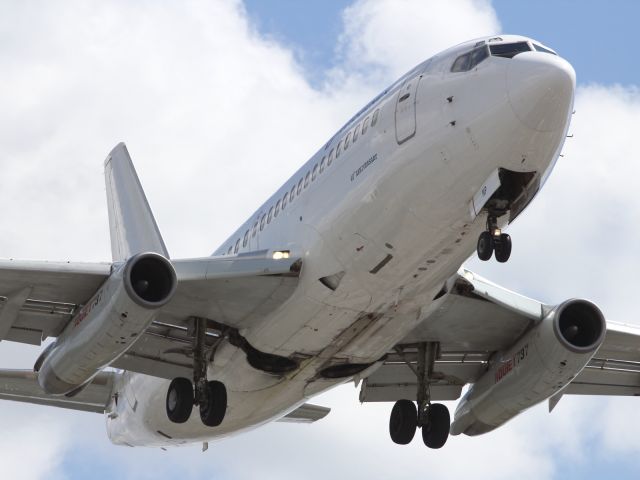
point(540, 48)
point(470, 60)
point(509, 50)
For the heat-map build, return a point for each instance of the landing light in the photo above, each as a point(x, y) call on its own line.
point(280, 254)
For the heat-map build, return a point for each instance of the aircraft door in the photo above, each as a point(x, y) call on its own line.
point(406, 110)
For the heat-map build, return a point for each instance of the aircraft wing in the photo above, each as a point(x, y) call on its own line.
point(471, 319)
point(38, 299)
point(22, 386)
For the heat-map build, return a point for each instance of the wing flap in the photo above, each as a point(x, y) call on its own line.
point(37, 299)
point(396, 378)
point(615, 368)
point(22, 386)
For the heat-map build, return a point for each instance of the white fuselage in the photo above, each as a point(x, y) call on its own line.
point(390, 219)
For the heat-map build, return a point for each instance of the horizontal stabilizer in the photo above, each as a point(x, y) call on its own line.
point(22, 386)
point(131, 224)
point(306, 413)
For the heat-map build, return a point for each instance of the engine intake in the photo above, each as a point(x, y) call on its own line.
point(149, 279)
point(579, 326)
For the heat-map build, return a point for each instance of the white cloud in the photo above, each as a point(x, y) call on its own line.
point(395, 35)
point(33, 444)
point(216, 117)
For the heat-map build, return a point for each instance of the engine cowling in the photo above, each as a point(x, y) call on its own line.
point(110, 322)
point(540, 364)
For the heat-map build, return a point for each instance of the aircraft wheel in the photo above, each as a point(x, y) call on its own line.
point(503, 248)
point(212, 411)
point(485, 246)
point(436, 432)
point(403, 422)
point(179, 400)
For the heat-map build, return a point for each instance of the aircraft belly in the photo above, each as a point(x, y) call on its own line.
point(148, 424)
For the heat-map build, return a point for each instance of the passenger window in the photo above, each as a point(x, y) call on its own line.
point(270, 216)
point(230, 250)
point(300, 186)
point(245, 240)
point(330, 157)
point(262, 221)
point(314, 172)
point(306, 179)
point(374, 119)
point(347, 141)
point(355, 133)
point(338, 148)
point(364, 125)
point(293, 192)
point(237, 247)
point(277, 210)
point(322, 162)
point(284, 200)
point(255, 229)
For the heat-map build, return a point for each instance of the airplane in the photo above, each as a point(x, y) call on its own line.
point(350, 271)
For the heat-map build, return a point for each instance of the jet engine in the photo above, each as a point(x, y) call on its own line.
point(539, 365)
point(110, 322)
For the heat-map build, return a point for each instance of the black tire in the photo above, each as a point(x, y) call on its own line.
point(213, 410)
point(179, 401)
point(436, 432)
point(485, 246)
point(503, 248)
point(403, 422)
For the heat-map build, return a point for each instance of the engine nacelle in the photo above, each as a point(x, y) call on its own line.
point(108, 324)
point(540, 364)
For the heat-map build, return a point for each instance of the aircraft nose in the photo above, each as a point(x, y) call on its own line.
point(541, 88)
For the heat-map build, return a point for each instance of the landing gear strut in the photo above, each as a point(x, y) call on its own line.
point(211, 396)
point(492, 240)
point(432, 418)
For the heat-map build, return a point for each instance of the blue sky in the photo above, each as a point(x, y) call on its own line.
point(184, 80)
point(593, 35)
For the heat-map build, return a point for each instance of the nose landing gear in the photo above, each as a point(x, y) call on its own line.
point(432, 418)
point(493, 240)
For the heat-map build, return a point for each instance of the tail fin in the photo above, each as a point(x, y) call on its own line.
point(132, 226)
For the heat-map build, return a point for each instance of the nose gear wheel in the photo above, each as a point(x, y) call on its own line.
point(492, 240)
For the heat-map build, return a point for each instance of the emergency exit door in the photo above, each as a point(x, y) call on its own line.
point(406, 110)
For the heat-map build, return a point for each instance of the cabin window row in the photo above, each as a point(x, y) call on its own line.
point(304, 182)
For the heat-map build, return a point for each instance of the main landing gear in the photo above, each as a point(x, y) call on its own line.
point(210, 396)
point(432, 418)
point(493, 240)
